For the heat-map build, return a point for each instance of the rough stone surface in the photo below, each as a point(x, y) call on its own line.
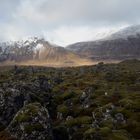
point(32, 122)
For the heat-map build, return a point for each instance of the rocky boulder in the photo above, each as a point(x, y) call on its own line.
point(32, 122)
point(11, 100)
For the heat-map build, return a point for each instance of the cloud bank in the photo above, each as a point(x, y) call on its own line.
point(65, 21)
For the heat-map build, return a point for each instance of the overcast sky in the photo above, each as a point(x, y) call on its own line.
point(65, 21)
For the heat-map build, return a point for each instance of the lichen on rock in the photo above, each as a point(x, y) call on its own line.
point(32, 122)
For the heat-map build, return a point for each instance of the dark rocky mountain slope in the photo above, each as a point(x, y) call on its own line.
point(37, 51)
point(125, 44)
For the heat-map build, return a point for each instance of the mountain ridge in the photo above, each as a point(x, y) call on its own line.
point(116, 48)
point(124, 44)
point(38, 51)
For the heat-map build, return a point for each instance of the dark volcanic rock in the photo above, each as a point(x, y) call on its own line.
point(10, 102)
point(32, 122)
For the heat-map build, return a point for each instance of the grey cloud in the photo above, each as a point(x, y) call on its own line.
point(63, 11)
point(33, 16)
point(55, 12)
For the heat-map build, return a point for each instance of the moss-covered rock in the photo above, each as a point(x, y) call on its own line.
point(31, 122)
point(79, 121)
point(119, 135)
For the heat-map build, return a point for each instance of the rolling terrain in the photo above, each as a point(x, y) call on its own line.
point(100, 102)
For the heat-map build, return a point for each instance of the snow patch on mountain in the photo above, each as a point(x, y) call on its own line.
point(38, 47)
point(125, 33)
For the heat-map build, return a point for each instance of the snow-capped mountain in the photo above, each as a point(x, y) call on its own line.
point(20, 50)
point(124, 44)
point(104, 34)
point(37, 51)
point(126, 32)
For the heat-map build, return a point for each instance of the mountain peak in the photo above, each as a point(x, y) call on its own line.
point(38, 51)
point(124, 44)
point(125, 32)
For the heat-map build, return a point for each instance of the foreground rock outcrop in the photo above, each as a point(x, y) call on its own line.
point(32, 122)
point(11, 100)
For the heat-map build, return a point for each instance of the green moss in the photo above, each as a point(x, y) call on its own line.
point(23, 118)
point(79, 121)
point(27, 113)
point(107, 123)
point(105, 131)
point(33, 127)
point(127, 103)
point(89, 132)
point(63, 109)
point(119, 135)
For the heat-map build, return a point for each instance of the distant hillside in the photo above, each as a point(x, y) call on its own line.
point(37, 51)
point(123, 44)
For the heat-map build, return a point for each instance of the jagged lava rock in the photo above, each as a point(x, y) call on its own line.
point(11, 100)
point(32, 122)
